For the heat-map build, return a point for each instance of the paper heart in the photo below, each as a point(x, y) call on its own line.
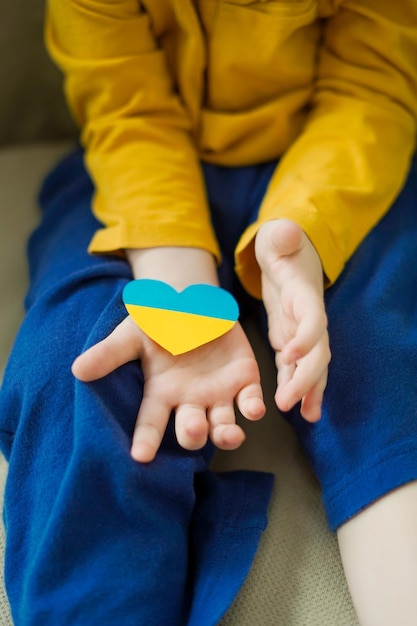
point(180, 321)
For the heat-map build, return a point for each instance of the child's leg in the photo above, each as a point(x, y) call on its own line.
point(92, 536)
point(379, 554)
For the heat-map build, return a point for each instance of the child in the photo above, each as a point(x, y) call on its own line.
point(281, 132)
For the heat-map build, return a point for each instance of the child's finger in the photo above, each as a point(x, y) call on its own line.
point(312, 401)
point(224, 432)
point(228, 436)
point(120, 347)
point(285, 371)
point(250, 401)
point(150, 427)
point(312, 325)
point(191, 426)
point(307, 374)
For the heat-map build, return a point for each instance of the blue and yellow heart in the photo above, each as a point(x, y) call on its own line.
point(180, 321)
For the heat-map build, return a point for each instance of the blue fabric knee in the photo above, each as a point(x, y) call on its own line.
point(92, 536)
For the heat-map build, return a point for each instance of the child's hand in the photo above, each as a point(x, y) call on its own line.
point(292, 285)
point(200, 386)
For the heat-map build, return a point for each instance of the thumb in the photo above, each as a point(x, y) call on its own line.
point(124, 344)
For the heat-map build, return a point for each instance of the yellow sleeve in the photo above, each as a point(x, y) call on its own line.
point(137, 134)
point(351, 159)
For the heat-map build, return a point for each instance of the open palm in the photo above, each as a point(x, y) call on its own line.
point(201, 386)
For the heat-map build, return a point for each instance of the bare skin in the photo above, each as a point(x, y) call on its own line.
point(225, 370)
point(221, 372)
point(379, 554)
point(292, 289)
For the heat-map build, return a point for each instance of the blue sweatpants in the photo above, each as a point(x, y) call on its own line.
point(92, 536)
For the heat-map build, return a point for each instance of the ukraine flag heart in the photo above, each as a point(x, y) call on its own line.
point(180, 321)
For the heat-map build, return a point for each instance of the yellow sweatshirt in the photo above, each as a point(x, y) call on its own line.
point(159, 85)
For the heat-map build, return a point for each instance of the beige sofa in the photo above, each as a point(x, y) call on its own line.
point(296, 579)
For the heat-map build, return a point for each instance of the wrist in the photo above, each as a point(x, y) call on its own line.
point(177, 266)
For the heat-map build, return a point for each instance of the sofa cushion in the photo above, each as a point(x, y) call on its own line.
point(32, 105)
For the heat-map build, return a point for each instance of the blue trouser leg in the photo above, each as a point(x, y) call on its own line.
point(365, 445)
point(92, 536)
point(70, 469)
